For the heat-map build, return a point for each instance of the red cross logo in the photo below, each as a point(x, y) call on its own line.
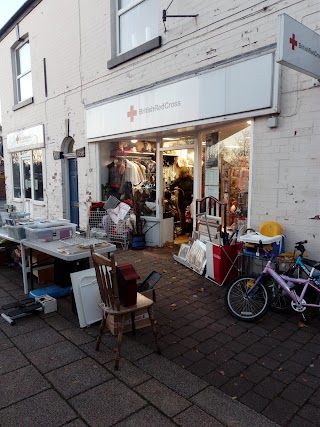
point(293, 41)
point(132, 113)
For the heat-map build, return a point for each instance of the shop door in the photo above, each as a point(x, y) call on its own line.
point(177, 191)
point(26, 182)
point(73, 189)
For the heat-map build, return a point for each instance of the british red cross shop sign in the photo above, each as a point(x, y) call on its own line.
point(298, 47)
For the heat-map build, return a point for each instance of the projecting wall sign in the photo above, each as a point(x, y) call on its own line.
point(298, 47)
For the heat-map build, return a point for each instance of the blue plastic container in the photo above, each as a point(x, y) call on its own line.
point(138, 242)
point(53, 290)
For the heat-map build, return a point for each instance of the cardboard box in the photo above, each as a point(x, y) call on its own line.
point(141, 319)
point(47, 274)
point(3, 257)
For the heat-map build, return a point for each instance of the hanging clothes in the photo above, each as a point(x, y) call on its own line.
point(116, 174)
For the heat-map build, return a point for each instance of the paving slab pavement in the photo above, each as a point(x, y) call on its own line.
point(213, 371)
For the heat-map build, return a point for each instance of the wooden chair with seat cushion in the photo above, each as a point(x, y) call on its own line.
point(110, 301)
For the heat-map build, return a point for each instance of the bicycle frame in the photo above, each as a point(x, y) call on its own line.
point(283, 280)
point(309, 272)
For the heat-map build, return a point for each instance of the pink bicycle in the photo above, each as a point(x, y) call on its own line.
point(248, 297)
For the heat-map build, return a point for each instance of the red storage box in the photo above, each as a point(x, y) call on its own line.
point(222, 265)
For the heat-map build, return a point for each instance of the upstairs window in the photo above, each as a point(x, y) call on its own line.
point(23, 72)
point(134, 29)
point(137, 22)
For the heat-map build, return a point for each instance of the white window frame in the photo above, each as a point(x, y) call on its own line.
point(19, 76)
point(12, 176)
point(28, 155)
point(121, 12)
point(118, 58)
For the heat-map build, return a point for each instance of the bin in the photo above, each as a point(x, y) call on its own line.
point(222, 265)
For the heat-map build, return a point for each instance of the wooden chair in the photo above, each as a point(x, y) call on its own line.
point(110, 301)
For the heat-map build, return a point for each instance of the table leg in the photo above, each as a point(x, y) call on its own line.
point(31, 268)
point(24, 269)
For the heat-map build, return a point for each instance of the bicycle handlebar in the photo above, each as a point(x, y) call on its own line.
point(299, 246)
point(302, 242)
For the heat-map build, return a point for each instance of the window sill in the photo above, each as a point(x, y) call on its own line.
point(140, 50)
point(34, 202)
point(23, 104)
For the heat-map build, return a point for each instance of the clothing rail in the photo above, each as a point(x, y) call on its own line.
point(135, 157)
point(124, 154)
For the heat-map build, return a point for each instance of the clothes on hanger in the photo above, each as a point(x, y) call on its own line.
point(116, 173)
point(126, 173)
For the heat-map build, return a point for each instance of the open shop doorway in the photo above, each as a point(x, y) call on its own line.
point(178, 189)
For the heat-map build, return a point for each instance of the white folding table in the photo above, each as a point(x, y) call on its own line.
point(51, 249)
point(25, 270)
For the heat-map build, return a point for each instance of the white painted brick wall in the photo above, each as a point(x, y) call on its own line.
point(76, 45)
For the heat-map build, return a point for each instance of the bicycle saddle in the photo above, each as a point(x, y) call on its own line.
point(312, 263)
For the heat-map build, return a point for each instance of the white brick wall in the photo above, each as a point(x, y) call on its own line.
point(76, 45)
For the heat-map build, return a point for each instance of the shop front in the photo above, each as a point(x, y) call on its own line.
point(183, 141)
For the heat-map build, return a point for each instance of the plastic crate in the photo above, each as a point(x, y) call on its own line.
point(4, 216)
point(34, 233)
point(285, 261)
point(16, 231)
point(51, 223)
point(19, 215)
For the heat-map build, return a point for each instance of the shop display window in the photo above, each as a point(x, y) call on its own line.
point(225, 172)
point(128, 167)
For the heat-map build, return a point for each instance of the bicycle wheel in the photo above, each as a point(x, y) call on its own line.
point(244, 307)
point(280, 302)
